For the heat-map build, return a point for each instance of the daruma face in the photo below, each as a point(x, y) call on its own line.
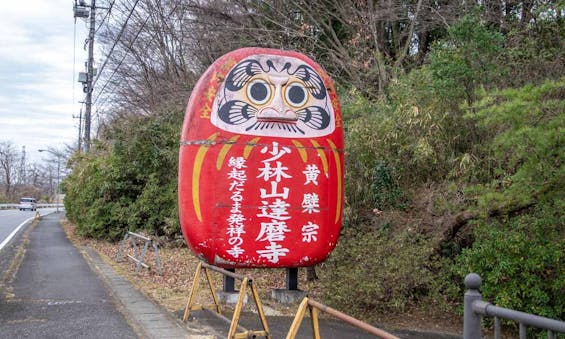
point(275, 96)
point(261, 162)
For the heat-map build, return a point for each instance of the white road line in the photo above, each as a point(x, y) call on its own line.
point(7, 240)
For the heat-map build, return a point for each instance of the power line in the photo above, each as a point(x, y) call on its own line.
point(115, 43)
point(105, 16)
point(123, 58)
point(129, 47)
point(74, 73)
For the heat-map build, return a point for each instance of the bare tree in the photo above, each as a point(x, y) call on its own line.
point(155, 50)
point(149, 61)
point(8, 167)
point(361, 43)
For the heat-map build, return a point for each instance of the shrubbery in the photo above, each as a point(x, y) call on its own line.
point(374, 270)
point(128, 182)
point(521, 261)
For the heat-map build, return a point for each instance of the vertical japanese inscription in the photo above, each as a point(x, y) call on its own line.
point(310, 204)
point(274, 210)
point(237, 177)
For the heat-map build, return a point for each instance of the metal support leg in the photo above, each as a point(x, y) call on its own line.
point(292, 279)
point(140, 262)
point(229, 282)
point(156, 250)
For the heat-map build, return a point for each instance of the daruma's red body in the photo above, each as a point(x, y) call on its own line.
point(261, 162)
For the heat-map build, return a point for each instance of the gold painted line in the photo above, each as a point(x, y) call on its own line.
point(322, 155)
point(301, 150)
point(249, 147)
point(196, 176)
point(339, 180)
point(224, 151)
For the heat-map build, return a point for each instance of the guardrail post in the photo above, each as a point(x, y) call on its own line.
point(122, 247)
point(140, 258)
point(471, 320)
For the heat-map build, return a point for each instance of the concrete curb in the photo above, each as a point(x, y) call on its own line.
point(144, 315)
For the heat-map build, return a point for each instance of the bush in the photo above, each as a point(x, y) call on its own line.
point(126, 182)
point(377, 271)
point(521, 262)
point(523, 160)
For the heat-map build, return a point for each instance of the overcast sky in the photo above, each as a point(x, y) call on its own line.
point(36, 74)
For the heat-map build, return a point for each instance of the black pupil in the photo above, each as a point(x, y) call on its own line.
point(258, 91)
point(296, 94)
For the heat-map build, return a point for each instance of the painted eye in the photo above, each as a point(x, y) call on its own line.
point(258, 91)
point(296, 95)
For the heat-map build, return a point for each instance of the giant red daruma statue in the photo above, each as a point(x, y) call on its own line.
point(261, 162)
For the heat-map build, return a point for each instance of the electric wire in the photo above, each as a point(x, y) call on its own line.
point(126, 54)
point(105, 17)
point(115, 43)
point(74, 80)
point(122, 60)
point(74, 58)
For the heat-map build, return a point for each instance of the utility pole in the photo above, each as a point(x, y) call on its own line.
point(90, 77)
point(80, 10)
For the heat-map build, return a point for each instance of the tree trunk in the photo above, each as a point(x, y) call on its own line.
point(311, 273)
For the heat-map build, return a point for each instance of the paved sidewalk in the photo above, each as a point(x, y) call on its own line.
point(145, 315)
point(49, 291)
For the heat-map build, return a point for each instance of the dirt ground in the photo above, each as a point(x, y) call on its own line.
point(171, 288)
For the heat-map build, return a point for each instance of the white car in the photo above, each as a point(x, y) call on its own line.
point(28, 204)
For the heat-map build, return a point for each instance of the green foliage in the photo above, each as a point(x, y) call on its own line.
point(363, 151)
point(377, 271)
point(521, 262)
point(126, 183)
point(509, 146)
point(414, 137)
point(534, 52)
point(524, 161)
point(386, 192)
point(466, 60)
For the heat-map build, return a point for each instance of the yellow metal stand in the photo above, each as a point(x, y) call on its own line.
point(195, 283)
point(245, 284)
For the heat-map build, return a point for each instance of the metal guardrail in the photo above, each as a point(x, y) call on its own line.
point(474, 308)
point(15, 206)
point(139, 256)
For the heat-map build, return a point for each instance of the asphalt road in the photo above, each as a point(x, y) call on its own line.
point(54, 293)
point(11, 219)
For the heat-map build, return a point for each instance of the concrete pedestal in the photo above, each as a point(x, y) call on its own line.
point(285, 296)
point(230, 298)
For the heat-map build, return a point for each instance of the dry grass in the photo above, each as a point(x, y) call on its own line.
point(171, 288)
